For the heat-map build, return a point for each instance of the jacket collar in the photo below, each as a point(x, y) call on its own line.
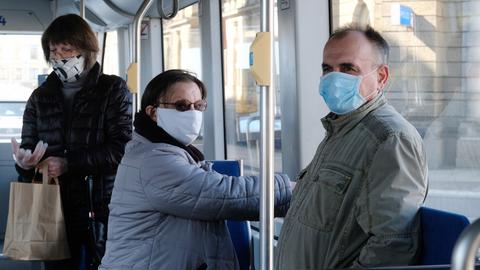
point(341, 124)
point(161, 145)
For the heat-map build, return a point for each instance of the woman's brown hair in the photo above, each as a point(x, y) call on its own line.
point(71, 29)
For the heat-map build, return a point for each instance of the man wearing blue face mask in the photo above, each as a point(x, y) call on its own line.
point(356, 204)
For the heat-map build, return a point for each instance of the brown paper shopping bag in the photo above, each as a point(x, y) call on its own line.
point(35, 225)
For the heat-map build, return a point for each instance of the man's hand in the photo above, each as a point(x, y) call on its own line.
point(25, 159)
point(56, 166)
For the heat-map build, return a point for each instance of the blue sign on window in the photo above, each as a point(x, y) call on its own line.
point(3, 21)
point(406, 16)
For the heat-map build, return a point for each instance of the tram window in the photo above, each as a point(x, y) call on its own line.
point(240, 23)
point(182, 46)
point(21, 59)
point(181, 41)
point(11, 115)
point(111, 54)
point(435, 81)
point(34, 53)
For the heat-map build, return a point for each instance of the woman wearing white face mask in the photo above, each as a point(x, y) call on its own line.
point(168, 207)
point(85, 118)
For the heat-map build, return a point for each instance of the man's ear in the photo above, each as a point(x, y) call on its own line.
point(151, 112)
point(383, 76)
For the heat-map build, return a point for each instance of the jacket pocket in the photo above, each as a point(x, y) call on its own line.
point(299, 192)
point(326, 193)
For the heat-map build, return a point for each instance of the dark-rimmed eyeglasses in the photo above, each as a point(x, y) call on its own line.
point(184, 105)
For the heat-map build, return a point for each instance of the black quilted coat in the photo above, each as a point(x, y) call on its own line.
point(92, 141)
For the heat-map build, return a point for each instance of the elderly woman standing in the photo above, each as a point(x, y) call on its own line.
point(168, 207)
point(85, 118)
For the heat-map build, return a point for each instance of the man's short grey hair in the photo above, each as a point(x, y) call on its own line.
point(371, 34)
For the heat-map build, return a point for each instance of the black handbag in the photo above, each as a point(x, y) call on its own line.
point(97, 230)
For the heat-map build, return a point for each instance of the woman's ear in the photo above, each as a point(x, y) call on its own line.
point(151, 112)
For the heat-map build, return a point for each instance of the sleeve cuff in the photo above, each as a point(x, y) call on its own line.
point(24, 175)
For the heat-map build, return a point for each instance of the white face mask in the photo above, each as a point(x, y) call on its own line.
point(183, 126)
point(69, 70)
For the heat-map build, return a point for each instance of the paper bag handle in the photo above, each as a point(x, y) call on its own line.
point(44, 167)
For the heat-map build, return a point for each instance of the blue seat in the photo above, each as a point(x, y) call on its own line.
point(228, 167)
point(440, 231)
point(239, 230)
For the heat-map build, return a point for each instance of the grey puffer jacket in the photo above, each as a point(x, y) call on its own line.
point(168, 212)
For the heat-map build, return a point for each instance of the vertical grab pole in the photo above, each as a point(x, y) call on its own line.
point(267, 144)
point(133, 73)
point(261, 63)
point(82, 9)
point(466, 247)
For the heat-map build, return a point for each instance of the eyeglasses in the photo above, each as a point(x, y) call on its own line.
point(184, 105)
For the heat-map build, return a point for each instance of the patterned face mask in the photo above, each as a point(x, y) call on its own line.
point(69, 69)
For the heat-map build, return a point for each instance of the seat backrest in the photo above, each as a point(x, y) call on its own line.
point(440, 231)
point(241, 238)
point(228, 167)
point(239, 230)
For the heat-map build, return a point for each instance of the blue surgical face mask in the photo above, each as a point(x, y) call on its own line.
point(341, 91)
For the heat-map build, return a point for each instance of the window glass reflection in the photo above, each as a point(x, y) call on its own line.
point(111, 54)
point(240, 23)
point(21, 62)
point(181, 41)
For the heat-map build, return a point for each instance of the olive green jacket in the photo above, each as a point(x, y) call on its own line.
point(356, 204)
